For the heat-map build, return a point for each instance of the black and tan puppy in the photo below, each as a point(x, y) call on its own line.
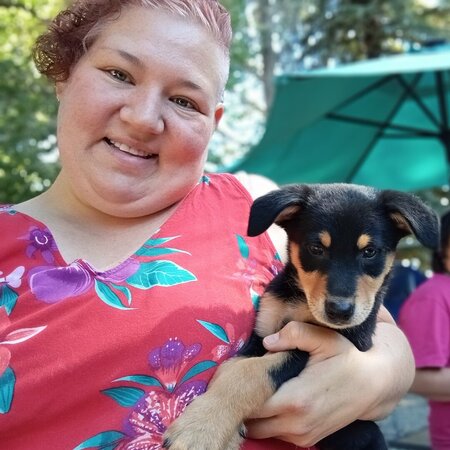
point(342, 240)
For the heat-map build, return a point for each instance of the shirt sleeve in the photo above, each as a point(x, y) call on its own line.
point(425, 320)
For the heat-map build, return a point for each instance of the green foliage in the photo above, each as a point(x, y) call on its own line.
point(27, 121)
point(361, 29)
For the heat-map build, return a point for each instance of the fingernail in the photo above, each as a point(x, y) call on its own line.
point(272, 339)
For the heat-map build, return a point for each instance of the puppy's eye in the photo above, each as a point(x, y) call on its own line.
point(315, 250)
point(369, 252)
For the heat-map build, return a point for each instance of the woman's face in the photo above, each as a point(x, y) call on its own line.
point(138, 111)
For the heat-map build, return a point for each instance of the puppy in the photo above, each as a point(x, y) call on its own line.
point(341, 244)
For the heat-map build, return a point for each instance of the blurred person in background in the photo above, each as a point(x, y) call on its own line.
point(425, 319)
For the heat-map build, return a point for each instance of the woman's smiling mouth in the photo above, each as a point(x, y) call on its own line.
point(129, 150)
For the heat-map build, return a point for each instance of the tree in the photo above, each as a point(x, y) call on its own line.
point(286, 36)
point(27, 122)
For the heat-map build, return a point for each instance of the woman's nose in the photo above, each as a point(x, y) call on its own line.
point(144, 112)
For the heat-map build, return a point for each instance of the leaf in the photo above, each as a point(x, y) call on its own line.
point(102, 440)
point(160, 273)
point(243, 247)
point(255, 299)
point(108, 296)
point(141, 379)
point(22, 335)
point(7, 383)
point(8, 298)
point(198, 368)
point(216, 330)
point(158, 251)
point(160, 241)
point(125, 396)
point(124, 290)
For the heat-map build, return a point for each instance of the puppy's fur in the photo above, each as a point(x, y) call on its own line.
point(341, 244)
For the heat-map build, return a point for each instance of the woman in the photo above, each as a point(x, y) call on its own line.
point(130, 279)
point(425, 319)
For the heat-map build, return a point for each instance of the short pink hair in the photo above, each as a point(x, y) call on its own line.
point(75, 29)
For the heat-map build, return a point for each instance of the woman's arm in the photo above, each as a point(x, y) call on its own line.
point(339, 385)
point(433, 383)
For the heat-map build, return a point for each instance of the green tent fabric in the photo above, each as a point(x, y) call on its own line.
point(383, 123)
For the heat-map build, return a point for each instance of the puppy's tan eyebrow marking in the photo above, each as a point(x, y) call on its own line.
point(325, 238)
point(363, 241)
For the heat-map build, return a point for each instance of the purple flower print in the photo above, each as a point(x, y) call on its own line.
point(52, 284)
point(170, 359)
point(151, 416)
point(40, 240)
point(117, 274)
point(153, 411)
point(234, 344)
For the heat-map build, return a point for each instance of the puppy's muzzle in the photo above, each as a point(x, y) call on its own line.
point(339, 310)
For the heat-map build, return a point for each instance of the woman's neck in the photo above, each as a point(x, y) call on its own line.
point(83, 232)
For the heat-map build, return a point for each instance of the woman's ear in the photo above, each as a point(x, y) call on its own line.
point(218, 114)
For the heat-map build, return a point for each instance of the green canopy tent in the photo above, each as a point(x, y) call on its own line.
point(383, 123)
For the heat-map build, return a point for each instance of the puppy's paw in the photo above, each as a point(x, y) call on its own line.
point(236, 440)
point(202, 426)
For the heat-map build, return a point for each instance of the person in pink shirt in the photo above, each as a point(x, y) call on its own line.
point(425, 319)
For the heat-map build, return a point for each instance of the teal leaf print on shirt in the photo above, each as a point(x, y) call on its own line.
point(8, 298)
point(7, 383)
point(125, 396)
point(243, 247)
point(255, 299)
point(146, 380)
point(160, 273)
point(198, 368)
point(124, 290)
point(107, 295)
point(216, 330)
point(106, 440)
point(152, 248)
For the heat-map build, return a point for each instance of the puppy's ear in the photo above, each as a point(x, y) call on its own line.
point(412, 216)
point(276, 207)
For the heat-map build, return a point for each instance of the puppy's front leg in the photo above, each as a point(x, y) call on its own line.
point(213, 420)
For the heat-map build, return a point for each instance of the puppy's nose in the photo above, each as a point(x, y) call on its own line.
point(339, 310)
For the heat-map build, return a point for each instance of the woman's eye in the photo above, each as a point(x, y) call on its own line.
point(119, 75)
point(369, 252)
point(315, 250)
point(184, 103)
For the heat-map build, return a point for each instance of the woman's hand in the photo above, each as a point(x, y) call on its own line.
point(339, 385)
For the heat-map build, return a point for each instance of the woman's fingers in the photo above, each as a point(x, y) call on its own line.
point(319, 342)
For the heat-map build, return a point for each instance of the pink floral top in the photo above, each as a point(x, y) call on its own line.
point(106, 360)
